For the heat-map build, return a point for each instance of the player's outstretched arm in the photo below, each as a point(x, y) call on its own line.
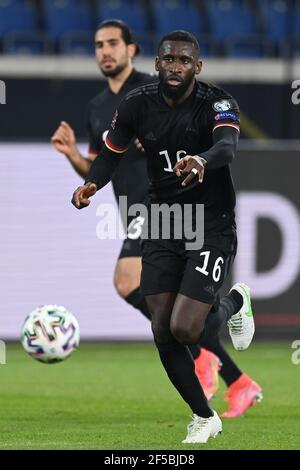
point(81, 196)
point(64, 141)
point(109, 158)
point(101, 172)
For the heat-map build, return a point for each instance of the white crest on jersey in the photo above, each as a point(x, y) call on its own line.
point(104, 135)
point(223, 105)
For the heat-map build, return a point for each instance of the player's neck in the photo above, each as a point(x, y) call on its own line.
point(116, 83)
point(175, 103)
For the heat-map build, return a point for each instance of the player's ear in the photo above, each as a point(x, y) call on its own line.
point(131, 50)
point(198, 67)
point(157, 64)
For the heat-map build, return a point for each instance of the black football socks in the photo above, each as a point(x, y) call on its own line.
point(137, 300)
point(179, 365)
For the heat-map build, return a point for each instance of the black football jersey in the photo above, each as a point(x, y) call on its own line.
point(168, 134)
point(99, 116)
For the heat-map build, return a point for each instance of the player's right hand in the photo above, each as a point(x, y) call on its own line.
point(82, 194)
point(64, 139)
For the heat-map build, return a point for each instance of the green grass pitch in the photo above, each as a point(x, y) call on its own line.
point(117, 396)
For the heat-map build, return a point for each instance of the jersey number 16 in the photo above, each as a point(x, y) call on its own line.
point(179, 155)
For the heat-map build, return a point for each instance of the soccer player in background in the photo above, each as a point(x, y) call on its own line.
point(115, 49)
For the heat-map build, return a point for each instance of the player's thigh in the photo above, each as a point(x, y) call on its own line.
point(207, 269)
point(127, 276)
point(162, 266)
point(188, 319)
point(160, 307)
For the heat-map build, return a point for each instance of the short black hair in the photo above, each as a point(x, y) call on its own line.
point(127, 34)
point(180, 35)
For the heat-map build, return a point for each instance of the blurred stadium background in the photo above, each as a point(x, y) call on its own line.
point(49, 252)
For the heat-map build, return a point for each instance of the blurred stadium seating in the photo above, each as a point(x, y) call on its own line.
point(225, 28)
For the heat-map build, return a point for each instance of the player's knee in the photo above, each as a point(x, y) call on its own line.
point(127, 276)
point(123, 285)
point(186, 333)
point(160, 326)
point(123, 289)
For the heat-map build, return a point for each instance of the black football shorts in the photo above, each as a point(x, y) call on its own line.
point(131, 180)
point(130, 248)
point(198, 274)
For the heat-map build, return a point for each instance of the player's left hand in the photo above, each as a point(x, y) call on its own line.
point(190, 166)
point(81, 197)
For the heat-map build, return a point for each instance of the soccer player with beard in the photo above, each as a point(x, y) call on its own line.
point(114, 50)
point(181, 285)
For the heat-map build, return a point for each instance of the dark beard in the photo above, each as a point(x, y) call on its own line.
point(174, 92)
point(114, 72)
